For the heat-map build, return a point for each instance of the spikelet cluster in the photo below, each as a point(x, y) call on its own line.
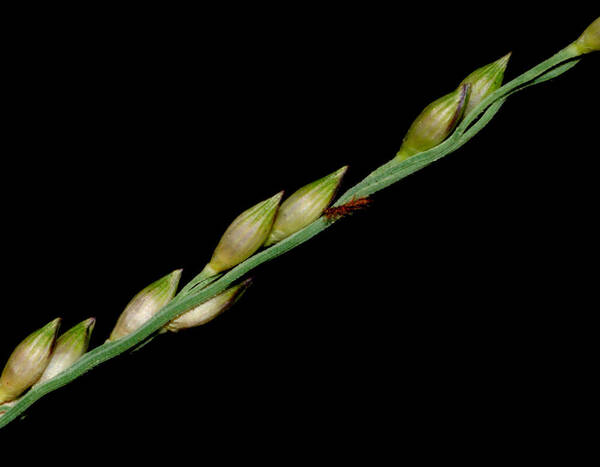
point(41, 356)
point(439, 119)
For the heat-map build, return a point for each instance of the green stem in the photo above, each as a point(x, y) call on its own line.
point(201, 288)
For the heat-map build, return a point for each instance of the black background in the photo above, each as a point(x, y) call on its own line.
point(453, 307)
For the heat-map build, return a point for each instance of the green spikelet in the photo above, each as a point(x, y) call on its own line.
point(589, 41)
point(28, 361)
point(435, 123)
point(69, 347)
point(484, 81)
point(244, 236)
point(208, 310)
point(305, 206)
point(145, 305)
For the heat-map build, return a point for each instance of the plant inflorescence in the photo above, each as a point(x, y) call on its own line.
point(46, 360)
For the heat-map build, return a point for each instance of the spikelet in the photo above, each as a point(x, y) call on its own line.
point(305, 206)
point(208, 310)
point(435, 123)
point(484, 81)
point(28, 361)
point(589, 41)
point(244, 236)
point(69, 347)
point(145, 305)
